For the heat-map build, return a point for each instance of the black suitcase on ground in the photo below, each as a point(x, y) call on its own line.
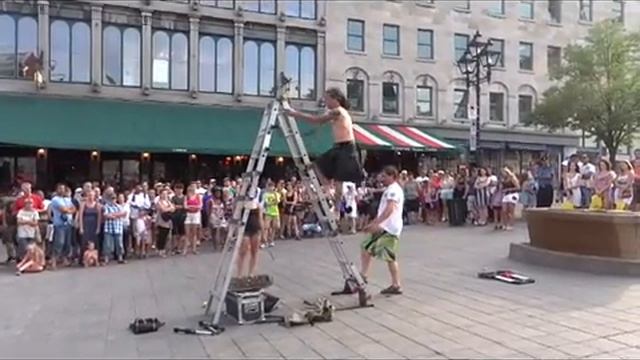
point(457, 212)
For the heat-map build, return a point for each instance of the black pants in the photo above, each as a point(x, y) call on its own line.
point(544, 198)
point(163, 234)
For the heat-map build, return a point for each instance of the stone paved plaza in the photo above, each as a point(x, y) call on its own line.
point(446, 312)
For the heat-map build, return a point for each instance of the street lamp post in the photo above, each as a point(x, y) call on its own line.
point(475, 64)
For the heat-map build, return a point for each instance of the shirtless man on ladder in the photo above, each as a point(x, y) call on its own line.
point(342, 162)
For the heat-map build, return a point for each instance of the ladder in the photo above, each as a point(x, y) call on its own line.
point(274, 118)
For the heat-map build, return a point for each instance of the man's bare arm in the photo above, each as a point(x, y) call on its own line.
point(316, 119)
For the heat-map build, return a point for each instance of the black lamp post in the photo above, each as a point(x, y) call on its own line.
point(475, 64)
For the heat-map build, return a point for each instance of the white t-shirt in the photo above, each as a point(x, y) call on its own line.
point(27, 231)
point(393, 224)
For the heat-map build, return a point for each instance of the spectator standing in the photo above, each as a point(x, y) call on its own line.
point(62, 210)
point(89, 220)
point(544, 178)
point(113, 228)
point(27, 220)
point(587, 172)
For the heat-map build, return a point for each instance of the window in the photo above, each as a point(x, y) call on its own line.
point(586, 10)
point(526, 56)
point(226, 4)
point(554, 59)
point(215, 71)
point(305, 9)
point(497, 45)
point(355, 94)
point(259, 67)
point(390, 98)
point(618, 10)
point(424, 99)
point(555, 11)
point(18, 42)
point(526, 9)
point(170, 69)
point(425, 44)
point(460, 101)
point(391, 40)
point(496, 7)
point(263, 6)
point(70, 51)
point(460, 42)
point(300, 67)
point(121, 49)
point(525, 107)
point(355, 35)
point(496, 107)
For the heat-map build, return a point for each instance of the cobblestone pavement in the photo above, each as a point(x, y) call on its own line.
point(446, 312)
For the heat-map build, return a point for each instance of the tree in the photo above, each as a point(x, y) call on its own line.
point(597, 88)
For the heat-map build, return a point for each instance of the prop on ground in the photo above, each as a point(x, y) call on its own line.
point(144, 326)
point(506, 276)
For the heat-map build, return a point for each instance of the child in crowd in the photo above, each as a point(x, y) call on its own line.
point(90, 256)
point(142, 234)
point(217, 221)
point(33, 260)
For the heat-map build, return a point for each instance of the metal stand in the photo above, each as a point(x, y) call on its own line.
point(272, 119)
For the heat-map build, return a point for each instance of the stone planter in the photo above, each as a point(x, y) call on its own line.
point(608, 234)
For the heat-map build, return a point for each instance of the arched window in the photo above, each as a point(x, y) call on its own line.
point(357, 89)
point(259, 67)
point(426, 93)
point(498, 95)
point(216, 64)
point(18, 41)
point(70, 51)
point(60, 51)
point(527, 98)
point(121, 56)
point(300, 66)
point(179, 61)
point(170, 61)
point(391, 93)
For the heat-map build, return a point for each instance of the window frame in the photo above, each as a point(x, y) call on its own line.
point(16, 17)
point(581, 6)
point(171, 33)
point(494, 41)
point(216, 39)
point(350, 35)
point(430, 45)
point(464, 100)
point(121, 29)
point(550, 66)
point(217, 4)
point(431, 112)
point(362, 99)
point(259, 43)
point(520, 47)
point(618, 12)
point(385, 40)
point(558, 6)
point(299, 48)
point(532, 7)
point(299, 16)
point(502, 108)
point(397, 101)
point(520, 112)
point(260, 11)
point(464, 6)
point(455, 48)
point(70, 23)
point(502, 8)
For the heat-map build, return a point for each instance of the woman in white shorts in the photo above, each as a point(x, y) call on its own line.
point(193, 221)
point(623, 193)
point(510, 197)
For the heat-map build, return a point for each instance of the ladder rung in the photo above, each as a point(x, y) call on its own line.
point(251, 174)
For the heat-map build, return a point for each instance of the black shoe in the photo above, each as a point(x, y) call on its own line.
point(392, 290)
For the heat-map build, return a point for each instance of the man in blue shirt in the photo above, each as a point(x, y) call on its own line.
point(62, 210)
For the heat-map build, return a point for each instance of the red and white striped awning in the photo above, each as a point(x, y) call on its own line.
point(398, 137)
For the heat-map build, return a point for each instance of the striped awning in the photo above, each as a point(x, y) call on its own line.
point(398, 137)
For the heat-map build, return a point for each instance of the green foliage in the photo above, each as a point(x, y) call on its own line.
point(597, 88)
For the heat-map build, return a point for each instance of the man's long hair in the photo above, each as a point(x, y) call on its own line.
point(339, 96)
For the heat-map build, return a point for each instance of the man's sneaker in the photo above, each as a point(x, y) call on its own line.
point(262, 246)
point(272, 244)
point(391, 290)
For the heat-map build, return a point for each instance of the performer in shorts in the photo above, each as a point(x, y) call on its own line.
point(342, 162)
point(385, 231)
point(252, 236)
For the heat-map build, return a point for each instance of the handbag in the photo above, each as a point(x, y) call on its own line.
point(596, 203)
point(567, 205)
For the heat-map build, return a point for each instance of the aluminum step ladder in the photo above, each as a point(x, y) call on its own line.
point(274, 118)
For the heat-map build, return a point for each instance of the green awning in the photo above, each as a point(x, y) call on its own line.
point(108, 125)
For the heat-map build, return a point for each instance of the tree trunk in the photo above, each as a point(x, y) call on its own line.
point(613, 151)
